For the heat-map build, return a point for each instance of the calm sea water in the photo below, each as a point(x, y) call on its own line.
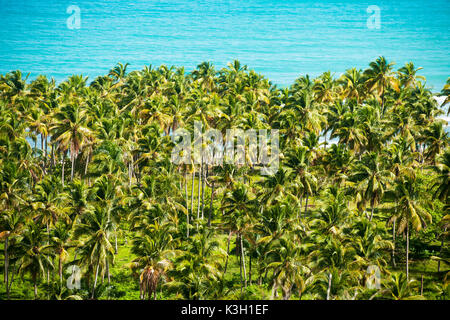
point(280, 39)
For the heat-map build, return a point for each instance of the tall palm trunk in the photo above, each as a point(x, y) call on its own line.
point(228, 254)
point(95, 280)
point(243, 261)
point(107, 271)
point(87, 164)
point(306, 204)
point(300, 209)
point(52, 156)
point(63, 164)
point(45, 150)
point(73, 158)
point(393, 243)
point(211, 205)
point(42, 143)
point(35, 286)
point(204, 175)
point(440, 252)
point(238, 252)
point(192, 190)
point(60, 269)
point(199, 191)
point(6, 268)
point(330, 276)
point(187, 202)
point(407, 250)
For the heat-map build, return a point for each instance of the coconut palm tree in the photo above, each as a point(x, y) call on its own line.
point(379, 77)
point(409, 208)
point(35, 257)
point(95, 251)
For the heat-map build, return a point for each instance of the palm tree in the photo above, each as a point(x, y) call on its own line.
point(70, 132)
point(400, 288)
point(441, 182)
point(409, 208)
point(378, 78)
point(153, 250)
point(408, 75)
point(371, 180)
point(287, 265)
point(96, 250)
point(35, 257)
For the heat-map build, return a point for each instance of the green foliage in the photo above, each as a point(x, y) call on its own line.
point(88, 189)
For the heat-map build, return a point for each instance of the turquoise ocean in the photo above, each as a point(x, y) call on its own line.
point(280, 39)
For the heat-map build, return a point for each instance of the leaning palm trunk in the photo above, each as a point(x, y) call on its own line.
point(238, 252)
point(228, 254)
point(243, 261)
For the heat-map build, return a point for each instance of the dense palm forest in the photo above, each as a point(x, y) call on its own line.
point(92, 207)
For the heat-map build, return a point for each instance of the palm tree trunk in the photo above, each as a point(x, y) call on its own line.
point(107, 271)
point(204, 175)
point(421, 286)
point(228, 254)
point(407, 251)
point(243, 261)
point(192, 190)
point(330, 276)
point(440, 252)
point(35, 286)
point(371, 212)
point(95, 280)
point(12, 279)
point(87, 164)
point(300, 209)
point(48, 243)
point(211, 205)
point(250, 268)
point(60, 269)
point(73, 165)
point(238, 251)
point(306, 204)
point(62, 172)
point(393, 243)
point(115, 242)
point(52, 160)
point(187, 202)
point(6, 268)
point(199, 191)
point(42, 143)
point(45, 150)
